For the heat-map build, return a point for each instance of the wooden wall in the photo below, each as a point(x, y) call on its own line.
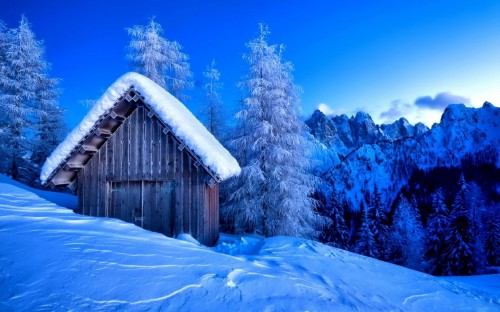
point(148, 163)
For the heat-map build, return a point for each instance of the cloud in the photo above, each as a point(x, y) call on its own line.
point(397, 110)
point(440, 101)
point(325, 109)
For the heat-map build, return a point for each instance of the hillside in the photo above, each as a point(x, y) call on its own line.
point(54, 260)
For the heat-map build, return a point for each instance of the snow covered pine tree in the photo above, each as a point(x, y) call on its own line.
point(335, 234)
point(159, 59)
point(212, 112)
point(406, 235)
point(365, 244)
point(437, 226)
point(377, 221)
point(28, 102)
point(459, 255)
point(272, 195)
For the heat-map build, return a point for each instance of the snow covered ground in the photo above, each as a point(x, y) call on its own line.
point(54, 260)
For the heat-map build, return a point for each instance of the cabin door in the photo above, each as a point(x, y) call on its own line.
point(126, 201)
point(148, 204)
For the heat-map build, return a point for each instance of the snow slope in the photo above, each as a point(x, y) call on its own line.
point(54, 260)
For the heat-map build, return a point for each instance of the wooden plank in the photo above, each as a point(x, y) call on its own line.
point(155, 150)
point(149, 202)
point(80, 193)
point(133, 145)
point(194, 199)
point(126, 151)
point(119, 147)
point(94, 167)
point(169, 203)
point(139, 137)
point(166, 157)
point(103, 167)
point(88, 190)
point(147, 149)
point(160, 211)
point(178, 173)
point(216, 214)
point(206, 215)
point(186, 192)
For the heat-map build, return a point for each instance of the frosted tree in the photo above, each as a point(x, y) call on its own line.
point(365, 244)
point(50, 126)
point(273, 194)
point(460, 242)
point(493, 237)
point(406, 236)
point(377, 220)
point(437, 227)
point(212, 112)
point(159, 59)
point(5, 41)
point(336, 233)
point(18, 91)
point(28, 98)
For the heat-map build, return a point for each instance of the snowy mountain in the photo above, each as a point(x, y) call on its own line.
point(54, 260)
point(345, 134)
point(364, 153)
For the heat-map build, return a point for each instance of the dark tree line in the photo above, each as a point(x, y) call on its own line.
point(445, 221)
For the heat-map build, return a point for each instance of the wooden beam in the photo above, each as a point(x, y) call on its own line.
point(88, 149)
point(73, 166)
point(57, 183)
point(151, 114)
point(166, 130)
point(103, 133)
point(114, 115)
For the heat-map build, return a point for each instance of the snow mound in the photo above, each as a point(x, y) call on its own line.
point(169, 109)
point(54, 260)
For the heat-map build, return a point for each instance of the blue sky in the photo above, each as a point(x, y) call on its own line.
point(389, 58)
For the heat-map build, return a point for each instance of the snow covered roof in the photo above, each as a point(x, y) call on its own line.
point(169, 110)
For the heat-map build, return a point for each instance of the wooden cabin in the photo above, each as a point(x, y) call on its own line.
point(142, 157)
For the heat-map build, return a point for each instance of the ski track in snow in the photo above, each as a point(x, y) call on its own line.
point(54, 260)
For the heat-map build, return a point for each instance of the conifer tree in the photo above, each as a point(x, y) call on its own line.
point(28, 98)
point(365, 244)
point(406, 236)
point(336, 233)
point(274, 188)
point(460, 242)
point(436, 233)
point(377, 221)
point(212, 113)
point(159, 59)
point(493, 238)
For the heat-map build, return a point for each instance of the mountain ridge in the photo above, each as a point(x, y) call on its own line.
point(362, 154)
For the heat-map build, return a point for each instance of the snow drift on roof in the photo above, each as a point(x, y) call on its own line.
point(169, 109)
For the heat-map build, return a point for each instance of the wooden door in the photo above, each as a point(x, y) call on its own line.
point(148, 204)
point(159, 206)
point(126, 201)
